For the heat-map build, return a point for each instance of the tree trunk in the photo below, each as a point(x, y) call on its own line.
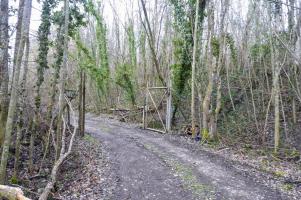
point(20, 116)
point(62, 81)
point(275, 69)
point(14, 91)
point(56, 75)
point(18, 35)
point(220, 64)
point(43, 34)
point(193, 75)
point(291, 22)
point(151, 40)
point(84, 105)
point(4, 77)
point(276, 89)
point(211, 73)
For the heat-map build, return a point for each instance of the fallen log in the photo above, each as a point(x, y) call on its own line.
point(11, 193)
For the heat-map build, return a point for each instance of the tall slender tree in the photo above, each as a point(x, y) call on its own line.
point(43, 33)
point(4, 77)
point(151, 42)
point(14, 91)
point(18, 34)
point(21, 119)
point(193, 73)
point(63, 74)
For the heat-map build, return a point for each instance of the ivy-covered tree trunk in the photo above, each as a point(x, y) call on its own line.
point(143, 58)
point(62, 81)
point(183, 45)
point(57, 66)
point(43, 33)
point(125, 73)
point(4, 77)
point(14, 91)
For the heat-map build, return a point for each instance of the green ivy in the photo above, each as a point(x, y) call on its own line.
point(260, 50)
point(125, 72)
point(44, 43)
point(132, 45)
point(215, 45)
point(124, 79)
point(184, 14)
point(43, 33)
point(231, 43)
point(88, 61)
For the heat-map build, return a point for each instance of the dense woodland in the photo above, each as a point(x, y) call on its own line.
point(231, 67)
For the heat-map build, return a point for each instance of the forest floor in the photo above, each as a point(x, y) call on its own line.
point(126, 162)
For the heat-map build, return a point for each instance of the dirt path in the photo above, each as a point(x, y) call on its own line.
point(148, 166)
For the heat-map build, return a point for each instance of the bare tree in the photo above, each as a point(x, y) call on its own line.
point(193, 74)
point(151, 41)
point(4, 77)
point(14, 92)
point(211, 74)
point(20, 113)
point(18, 35)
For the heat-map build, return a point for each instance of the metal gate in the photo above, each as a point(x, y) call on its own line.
point(157, 109)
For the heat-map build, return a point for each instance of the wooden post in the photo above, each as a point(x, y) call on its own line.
point(143, 117)
point(82, 99)
point(169, 105)
point(84, 105)
point(146, 105)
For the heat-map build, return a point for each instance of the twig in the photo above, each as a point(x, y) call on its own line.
point(37, 176)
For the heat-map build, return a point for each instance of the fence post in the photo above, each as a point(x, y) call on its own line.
point(169, 105)
point(144, 111)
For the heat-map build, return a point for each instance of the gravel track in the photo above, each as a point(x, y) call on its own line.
point(147, 165)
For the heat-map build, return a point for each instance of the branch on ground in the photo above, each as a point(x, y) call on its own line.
point(11, 193)
point(63, 155)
